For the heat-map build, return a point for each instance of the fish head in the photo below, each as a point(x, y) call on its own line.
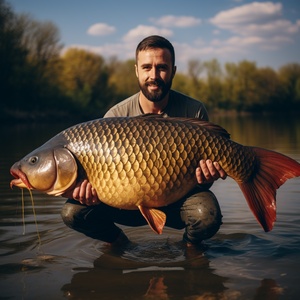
point(48, 170)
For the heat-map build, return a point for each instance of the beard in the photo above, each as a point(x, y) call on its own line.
point(159, 94)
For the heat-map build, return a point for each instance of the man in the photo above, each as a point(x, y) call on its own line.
point(198, 212)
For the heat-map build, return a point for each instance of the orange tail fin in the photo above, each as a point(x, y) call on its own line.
point(260, 191)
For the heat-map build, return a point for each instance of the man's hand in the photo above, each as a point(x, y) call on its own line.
point(84, 193)
point(209, 171)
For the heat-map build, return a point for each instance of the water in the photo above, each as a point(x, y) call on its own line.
point(240, 262)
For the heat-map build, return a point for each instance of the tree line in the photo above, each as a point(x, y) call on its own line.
point(39, 82)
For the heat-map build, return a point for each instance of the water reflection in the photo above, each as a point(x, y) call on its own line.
point(280, 133)
point(268, 289)
point(193, 278)
point(149, 285)
point(113, 275)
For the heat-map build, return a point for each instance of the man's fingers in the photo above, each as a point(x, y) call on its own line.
point(222, 173)
point(204, 165)
point(199, 175)
point(88, 191)
point(76, 191)
point(202, 172)
point(209, 171)
point(82, 192)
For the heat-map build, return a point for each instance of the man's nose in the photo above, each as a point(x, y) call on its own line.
point(154, 73)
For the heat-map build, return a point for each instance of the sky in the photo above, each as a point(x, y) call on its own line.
point(265, 32)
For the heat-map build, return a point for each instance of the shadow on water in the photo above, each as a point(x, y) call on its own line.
point(166, 269)
point(151, 269)
point(240, 262)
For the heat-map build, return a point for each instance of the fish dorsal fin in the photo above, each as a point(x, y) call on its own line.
point(154, 217)
point(208, 125)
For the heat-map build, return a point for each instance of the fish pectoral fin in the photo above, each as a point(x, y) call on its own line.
point(155, 218)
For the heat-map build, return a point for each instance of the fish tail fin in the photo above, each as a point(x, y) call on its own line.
point(273, 169)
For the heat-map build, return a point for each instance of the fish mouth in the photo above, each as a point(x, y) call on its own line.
point(20, 180)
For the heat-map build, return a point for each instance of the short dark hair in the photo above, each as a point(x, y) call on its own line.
point(155, 41)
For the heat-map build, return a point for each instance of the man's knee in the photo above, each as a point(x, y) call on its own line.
point(202, 215)
point(70, 212)
point(88, 220)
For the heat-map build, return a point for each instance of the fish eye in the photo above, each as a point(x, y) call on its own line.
point(33, 159)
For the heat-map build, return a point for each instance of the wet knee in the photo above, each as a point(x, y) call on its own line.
point(202, 215)
point(69, 213)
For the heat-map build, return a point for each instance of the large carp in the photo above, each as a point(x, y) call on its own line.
point(147, 162)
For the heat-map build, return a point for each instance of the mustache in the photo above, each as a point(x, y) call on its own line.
point(157, 82)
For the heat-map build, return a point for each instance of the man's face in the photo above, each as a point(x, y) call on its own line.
point(155, 73)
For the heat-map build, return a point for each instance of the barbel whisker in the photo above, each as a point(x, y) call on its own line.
point(34, 216)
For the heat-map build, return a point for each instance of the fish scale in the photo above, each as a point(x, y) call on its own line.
point(145, 162)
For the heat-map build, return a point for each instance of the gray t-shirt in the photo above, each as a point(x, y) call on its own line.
point(179, 105)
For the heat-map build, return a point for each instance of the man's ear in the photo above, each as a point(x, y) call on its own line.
point(174, 71)
point(136, 71)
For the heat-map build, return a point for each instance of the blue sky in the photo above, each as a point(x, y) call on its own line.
point(265, 32)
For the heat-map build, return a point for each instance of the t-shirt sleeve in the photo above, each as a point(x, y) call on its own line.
point(185, 106)
point(110, 114)
point(126, 108)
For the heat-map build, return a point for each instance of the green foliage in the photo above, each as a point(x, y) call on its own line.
point(84, 78)
point(12, 56)
point(37, 82)
point(123, 78)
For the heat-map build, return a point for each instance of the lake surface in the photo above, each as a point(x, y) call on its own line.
point(240, 262)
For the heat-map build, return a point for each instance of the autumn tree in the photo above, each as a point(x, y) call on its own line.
point(84, 77)
point(213, 82)
point(41, 39)
point(240, 84)
point(122, 78)
point(268, 89)
point(290, 79)
point(195, 68)
point(182, 83)
point(12, 59)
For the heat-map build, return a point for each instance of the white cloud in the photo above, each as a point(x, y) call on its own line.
point(261, 19)
point(239, 42)
point(250, 28)
point(101, 29)
point(126, 48)
point(255, 12)
point(141, 31)
point(275, 27)
point(176, 21)
point(258, 23)
point(120, 50)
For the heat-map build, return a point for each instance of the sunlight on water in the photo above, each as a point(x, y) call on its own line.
point(240, 262)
